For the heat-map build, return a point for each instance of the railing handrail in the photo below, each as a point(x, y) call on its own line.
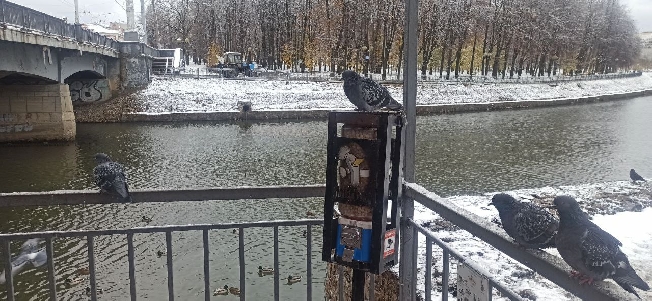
point(160, 229)
point(36, 20)
point(86, 197)
point(549, 266)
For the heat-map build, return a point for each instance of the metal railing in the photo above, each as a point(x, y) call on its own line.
point(88, 197)
point(90, 235)
point(448, 252)
point(543, 263)
point(27, 18)
point(547, 265)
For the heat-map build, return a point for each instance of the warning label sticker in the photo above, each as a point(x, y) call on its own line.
point(390, 243)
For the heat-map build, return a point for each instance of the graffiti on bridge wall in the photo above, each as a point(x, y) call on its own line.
point(13, 128)
point(86, 90)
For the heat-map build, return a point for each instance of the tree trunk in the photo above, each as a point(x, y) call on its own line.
point(475, 39)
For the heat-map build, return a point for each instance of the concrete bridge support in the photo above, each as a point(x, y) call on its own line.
point(36, 113)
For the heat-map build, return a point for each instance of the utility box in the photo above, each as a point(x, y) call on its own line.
point(363, 180)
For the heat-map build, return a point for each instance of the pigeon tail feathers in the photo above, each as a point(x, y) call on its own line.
point(120, 187)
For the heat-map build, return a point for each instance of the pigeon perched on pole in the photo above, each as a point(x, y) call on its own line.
point(110, 177)
point(29, 253)
point(530, 225)
point(366, 94)
point(591, 251)
point(635, 176)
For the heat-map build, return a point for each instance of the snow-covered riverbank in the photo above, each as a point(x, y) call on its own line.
point(621, 208)
point(177, 94)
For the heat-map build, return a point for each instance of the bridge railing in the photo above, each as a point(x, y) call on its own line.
point(27, 18)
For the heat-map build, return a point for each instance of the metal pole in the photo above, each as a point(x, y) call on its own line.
point(155, 25)
point(130, 14)
point(76, 11)
point(143, 20)
point(357, 285)
point(407, 252)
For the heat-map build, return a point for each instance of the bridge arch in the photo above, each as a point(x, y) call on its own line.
point(21, 78)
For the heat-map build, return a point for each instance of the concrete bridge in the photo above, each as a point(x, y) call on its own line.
point(47, 65)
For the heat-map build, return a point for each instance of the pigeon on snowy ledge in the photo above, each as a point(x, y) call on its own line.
point(366, 94)
point(635, 176)
point(591, 251)
point(530, 225)
point(110, 177)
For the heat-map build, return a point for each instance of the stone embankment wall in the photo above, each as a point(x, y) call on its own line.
point(132, 116)
point(36, 113)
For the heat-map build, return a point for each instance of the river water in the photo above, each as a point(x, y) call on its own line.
point(470, 153)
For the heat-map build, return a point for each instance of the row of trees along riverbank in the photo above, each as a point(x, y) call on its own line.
point(501, 38)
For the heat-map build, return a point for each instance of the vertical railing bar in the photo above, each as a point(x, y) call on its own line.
point(490, 289)
point(241, 259)
point(132, 266)
point(276, 271)
point(309, 262)
point(168, 252)
point(6, 246)
point(444, 280)
point(341, 282)
point(372, 287)
point(52, 283)
point(91, 266)
point(415, 249)
point(428, 289)
point(207, 277)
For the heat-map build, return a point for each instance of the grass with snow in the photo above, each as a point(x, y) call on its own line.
point(179, 94)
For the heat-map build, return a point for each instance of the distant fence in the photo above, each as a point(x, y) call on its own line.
point(27, 18)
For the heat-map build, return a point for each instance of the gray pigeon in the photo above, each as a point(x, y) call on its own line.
point(635, 176)
point(530, 225)
point(366, 94)
point(591, 251)
point(110, 177)
point(29, 253)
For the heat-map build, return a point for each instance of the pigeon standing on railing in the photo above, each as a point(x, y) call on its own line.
point(29, 253)
point(530, 225)
point(591, 251)
point(635, 176)
point(366, 94)
point(110, 177)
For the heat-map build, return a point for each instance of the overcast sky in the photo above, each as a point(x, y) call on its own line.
point(105, 11)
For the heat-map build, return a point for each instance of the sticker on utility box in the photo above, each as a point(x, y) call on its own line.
point(390, 243)
point(471, 285)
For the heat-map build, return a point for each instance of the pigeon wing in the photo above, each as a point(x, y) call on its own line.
point(599, 252)
point(352, 92)
point(373, 93)
point(602, 255)
point(104, 176)
point(110, 176)
point(536, 226)
point(17, 266)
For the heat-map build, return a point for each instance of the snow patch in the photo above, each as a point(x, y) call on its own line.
point(181, 94)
